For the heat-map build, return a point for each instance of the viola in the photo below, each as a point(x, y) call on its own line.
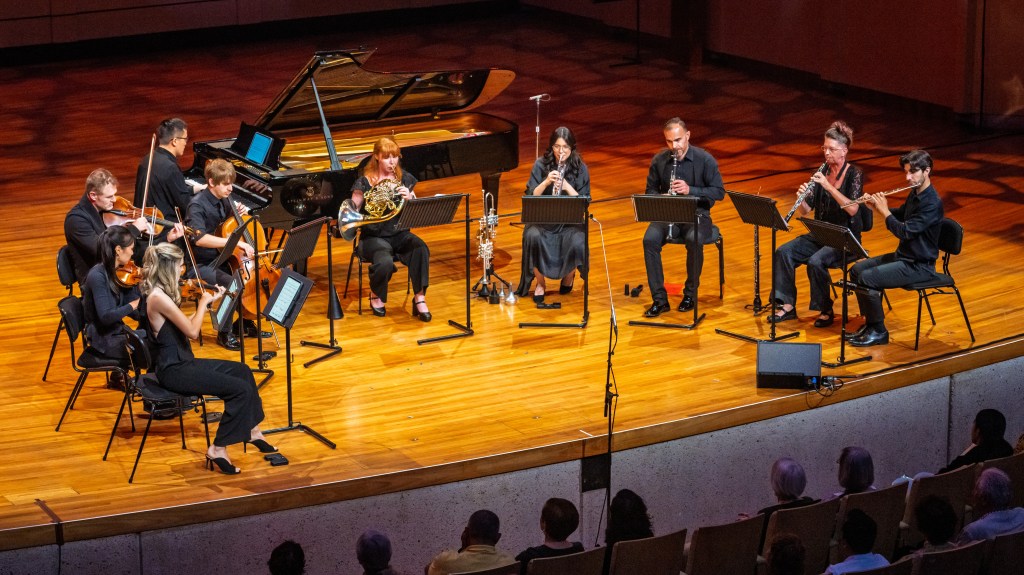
point(124, 213)
point(194, 289)
point(128, 275)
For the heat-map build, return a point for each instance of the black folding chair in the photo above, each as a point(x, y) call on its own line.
point(951, 239)
point(66, 275)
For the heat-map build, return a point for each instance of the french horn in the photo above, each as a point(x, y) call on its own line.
point(381, 203)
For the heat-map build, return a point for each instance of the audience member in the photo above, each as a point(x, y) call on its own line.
point(1019, 448)
point(936, 520)
point(859, 533)
point(788, 483)
point(373, 551)
point(287, 559)
point(856, 472)
point(478, 550)
point(987, 440)
point(992, 496)
point(558, 520)
point(627, 520)
point(786, 555)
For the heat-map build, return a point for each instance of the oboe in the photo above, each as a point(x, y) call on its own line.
point(806, 193)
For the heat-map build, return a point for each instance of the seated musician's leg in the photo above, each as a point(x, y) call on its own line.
point(573, 249)
point(874, 274)
point(533, 238)
point(415, 254)
point(694, 265)
point(378, 252)
point(788, 257)
point(654, 239)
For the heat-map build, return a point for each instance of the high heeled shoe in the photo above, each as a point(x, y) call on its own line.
point(423, 316)
point(538, 297)
point(564, 289)
point(260, 444)
point(222, 464)
point(378, 311)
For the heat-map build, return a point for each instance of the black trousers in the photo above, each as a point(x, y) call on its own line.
point(381, 253)
point(232, 381)
point(656, 237)
point(803, 250)
point(884, 272)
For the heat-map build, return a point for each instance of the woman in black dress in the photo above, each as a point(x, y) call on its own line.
point(181, 372)
point(555, 251)
point(380, 243)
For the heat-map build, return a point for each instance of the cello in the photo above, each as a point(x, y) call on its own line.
point(269, 275)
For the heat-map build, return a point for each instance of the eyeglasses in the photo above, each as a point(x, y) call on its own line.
point(180, 138)
point(560, 147)
point(831, 149)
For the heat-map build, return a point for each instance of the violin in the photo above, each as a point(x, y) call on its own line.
point(128, 275)
point(194, 289)
point(124, 213)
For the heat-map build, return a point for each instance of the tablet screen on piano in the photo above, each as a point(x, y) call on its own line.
point(259, 148)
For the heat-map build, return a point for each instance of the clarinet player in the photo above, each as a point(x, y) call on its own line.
point(836, 184)
point(683, 170)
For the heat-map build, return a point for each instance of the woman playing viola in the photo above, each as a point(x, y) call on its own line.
point(181, 372)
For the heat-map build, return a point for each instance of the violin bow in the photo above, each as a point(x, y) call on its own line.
point(145, 189)
point(188, 248)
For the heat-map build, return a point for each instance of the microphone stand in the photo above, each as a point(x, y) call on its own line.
point(536, 129)
point(611, 393)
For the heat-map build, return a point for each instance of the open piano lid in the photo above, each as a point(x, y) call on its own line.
point(350, 93)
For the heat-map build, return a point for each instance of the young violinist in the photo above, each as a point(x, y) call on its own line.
point(181, 372)
point(84, 222)
point(206, 212)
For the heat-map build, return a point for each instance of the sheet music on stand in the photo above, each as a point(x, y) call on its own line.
point(429, 211)
point(438, 211)
point(301, 243)
point(839, 238)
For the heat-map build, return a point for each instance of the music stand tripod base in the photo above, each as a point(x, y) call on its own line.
point(775, 337)
point(695, 323)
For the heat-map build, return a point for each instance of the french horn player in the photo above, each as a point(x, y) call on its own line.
point(377, 198)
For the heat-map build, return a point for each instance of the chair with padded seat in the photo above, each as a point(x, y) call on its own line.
point(512, 569)
point(898, 568)
point(728, 548)
point(714, 238)
point(1012, 465)
point(885, 507)
point(661, 555)
point(1005, 554)
point(583, 563)
point(814, 524)
point(66, 275)
point(357, 256)
point(147, 387)
point(953, 486)
point(951, 239)
point(963, 560)
point(72, 313)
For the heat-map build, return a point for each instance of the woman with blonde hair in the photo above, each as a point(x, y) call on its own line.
point(181, 372)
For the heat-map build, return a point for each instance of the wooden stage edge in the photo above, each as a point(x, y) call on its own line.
point(31, 525)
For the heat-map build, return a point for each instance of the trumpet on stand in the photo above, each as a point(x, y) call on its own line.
point(485, 287)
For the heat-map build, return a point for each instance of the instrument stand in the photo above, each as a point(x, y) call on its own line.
point(756, 305)
point(261, 359)
point(760, 211)
point(283, 308)
point(669, 209)
point(570, 210)
point(484, 282)
point(842, 239)
point(299, 247)
point(437, 211)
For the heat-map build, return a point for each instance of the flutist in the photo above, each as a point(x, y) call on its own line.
point(555, 251)
point(682, 170)
point(916, 224)
point(828, 194)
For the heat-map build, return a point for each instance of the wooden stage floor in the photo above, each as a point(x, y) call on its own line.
point(405, 415)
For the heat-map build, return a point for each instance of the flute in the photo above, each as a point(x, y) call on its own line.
point(865, 197)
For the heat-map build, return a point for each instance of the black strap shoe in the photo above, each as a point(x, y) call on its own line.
point(826, 321)
point(785, 316)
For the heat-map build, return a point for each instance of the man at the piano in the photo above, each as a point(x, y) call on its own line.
point(380, 243)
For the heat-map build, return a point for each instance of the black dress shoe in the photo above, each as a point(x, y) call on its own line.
point(656, 309)
point(858, 333)
point(423, 316)
point(826, 321)
point(250, 330)
point(227, 340)
point(687, 304)
point(870, 337)
point(786, 316)
point(379, 311)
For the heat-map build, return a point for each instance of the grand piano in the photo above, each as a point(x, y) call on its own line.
point(298, 161)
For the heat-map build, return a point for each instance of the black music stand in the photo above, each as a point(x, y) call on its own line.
point(436, 211)
point(671, 209)
point(283, 308)
point(300, 245)
point(562, 210)
point(760, 211)
point(842, 239)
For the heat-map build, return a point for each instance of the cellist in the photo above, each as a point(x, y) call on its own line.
point(207, 210)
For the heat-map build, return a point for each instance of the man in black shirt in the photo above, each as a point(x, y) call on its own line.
point(683, 170)
point(916, 224)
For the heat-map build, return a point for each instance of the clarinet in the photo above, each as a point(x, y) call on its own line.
point(808, 189)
